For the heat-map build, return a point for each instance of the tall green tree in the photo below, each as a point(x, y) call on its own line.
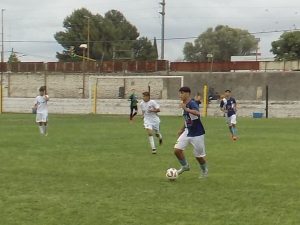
point(109, 35)
point(223, 42)
point(13, 58)
point(144, 50)
point(287, 47)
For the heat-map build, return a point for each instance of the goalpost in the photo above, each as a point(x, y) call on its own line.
point(118, 87)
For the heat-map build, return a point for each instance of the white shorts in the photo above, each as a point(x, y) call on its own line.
point(231, 120)
point(197, 142)
point(152, 126)
point(41, 117)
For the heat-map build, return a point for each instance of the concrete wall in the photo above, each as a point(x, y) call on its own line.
point(84, 106)
point(280, 65)
point(279, 109)
point(283, 86)
point(77, 86)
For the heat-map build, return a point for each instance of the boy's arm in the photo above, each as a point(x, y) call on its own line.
point(195, 111)
point(181, 130)
point(234, 105)
point(222, 106)
point(46, 96)
point(155, 108)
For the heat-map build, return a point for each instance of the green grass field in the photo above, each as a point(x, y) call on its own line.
point(94, 170)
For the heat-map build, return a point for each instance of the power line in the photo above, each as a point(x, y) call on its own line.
point(159, 39)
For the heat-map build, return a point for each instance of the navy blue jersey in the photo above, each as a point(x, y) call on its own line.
point(229, 105)
point(192, 122)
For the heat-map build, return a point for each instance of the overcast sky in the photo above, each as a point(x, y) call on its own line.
point(38, 20)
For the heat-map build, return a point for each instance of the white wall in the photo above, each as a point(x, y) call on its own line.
point(280, 109)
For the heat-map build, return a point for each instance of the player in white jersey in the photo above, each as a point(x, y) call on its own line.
point(150, 108)
point(41, 107)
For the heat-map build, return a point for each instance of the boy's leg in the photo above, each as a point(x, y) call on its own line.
point(199, 152)
point(158, 134)
point(41, 128)
point(203, 166)
point(131, 112)
point(45, 128)
point(233, 127)
point(179, 147)
point(151, 139)
point(135, 112)
point(39, 120)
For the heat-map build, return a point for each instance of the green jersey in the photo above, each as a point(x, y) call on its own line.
point(133, 100)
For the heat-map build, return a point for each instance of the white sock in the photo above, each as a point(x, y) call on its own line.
point(151, 140)
point(159, 135)
point(41, 129)
point(45, 129)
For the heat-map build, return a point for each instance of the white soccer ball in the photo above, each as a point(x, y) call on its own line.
point(172, 174)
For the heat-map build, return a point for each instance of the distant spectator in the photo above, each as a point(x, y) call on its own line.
point(198, 98)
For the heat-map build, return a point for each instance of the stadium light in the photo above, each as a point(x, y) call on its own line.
point(210, 57)
point(2, 60)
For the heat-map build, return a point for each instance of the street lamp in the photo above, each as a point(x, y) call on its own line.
point(210, 57)
point(84, 47)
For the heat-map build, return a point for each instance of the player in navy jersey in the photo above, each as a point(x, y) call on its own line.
point(191, 133)
point(228, 106)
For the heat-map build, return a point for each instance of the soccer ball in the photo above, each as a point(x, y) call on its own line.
point(172, 174)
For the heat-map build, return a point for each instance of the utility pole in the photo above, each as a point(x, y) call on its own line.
point(163, 13)
point(88, 38)
point(2, 60)
point(2, 42)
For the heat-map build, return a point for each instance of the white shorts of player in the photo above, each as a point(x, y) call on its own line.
point(151, 125)
point(197, 142)
point(41, 117)
point(231, 120)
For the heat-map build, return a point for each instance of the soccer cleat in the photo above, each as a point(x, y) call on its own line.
point(204, 174)
point(183, 169)
point(234, 138)
point(153, 151)
point(160, 141)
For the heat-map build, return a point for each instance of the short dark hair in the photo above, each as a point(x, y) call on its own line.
point(146, 93)
point(185, 89)
point(42, 88)
point(228, 91)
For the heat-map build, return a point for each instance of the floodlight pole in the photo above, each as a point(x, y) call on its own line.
point(2, 38)
point(163, 13)
point(88, 37)
point(88, 40)
point(267, 101)
point(2, 59)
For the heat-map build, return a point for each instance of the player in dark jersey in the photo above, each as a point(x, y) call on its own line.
point(197, 98)
point(228, 106)
point(133, 105)
point(191, 133)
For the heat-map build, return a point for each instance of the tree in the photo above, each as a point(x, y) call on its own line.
point(287, 47)
point(107, 34)
point(144, 50)
point(222, 42)
point(13, 58)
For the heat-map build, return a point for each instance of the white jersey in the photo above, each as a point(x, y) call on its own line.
point(41, 104)
point(150, 117)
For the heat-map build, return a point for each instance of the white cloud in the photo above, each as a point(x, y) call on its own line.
point(34, 20)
